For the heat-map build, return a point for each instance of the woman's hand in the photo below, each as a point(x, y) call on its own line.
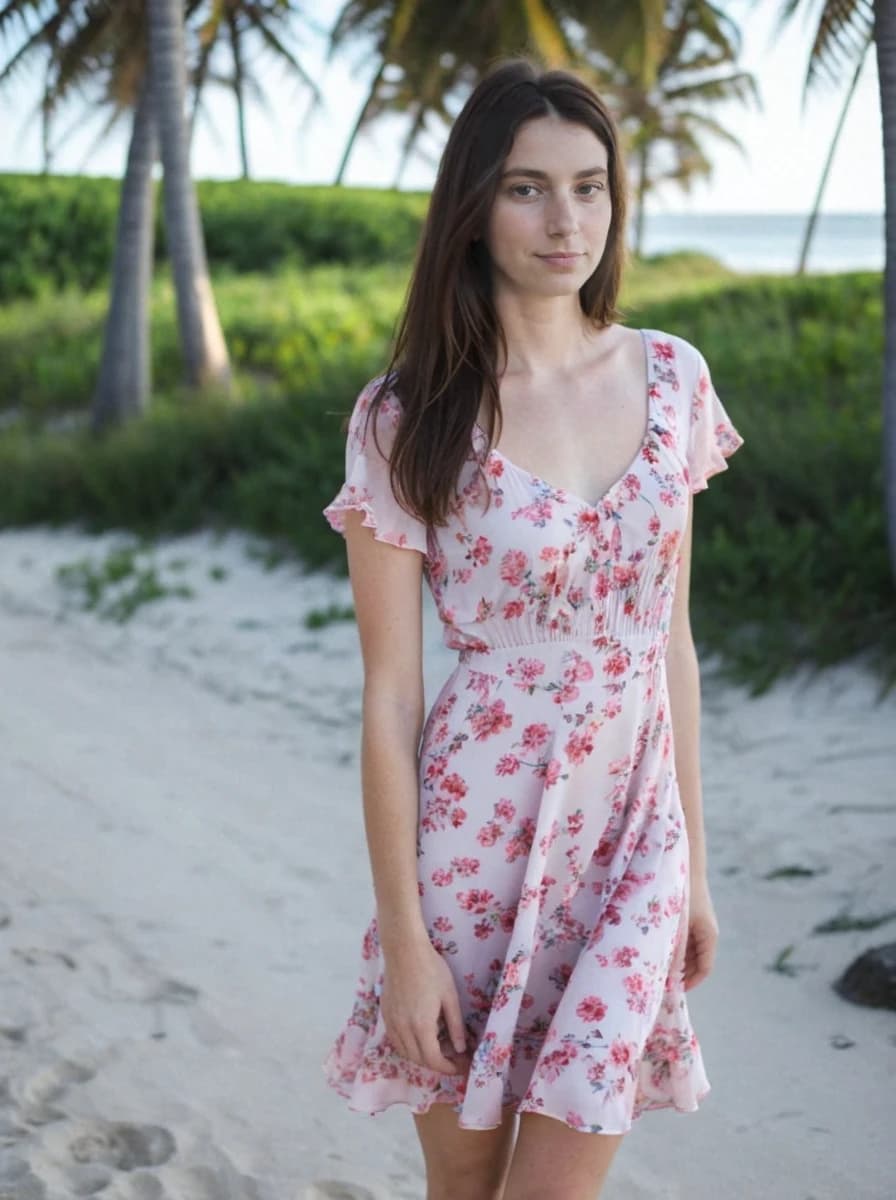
point(703, 935)
point(418, 988)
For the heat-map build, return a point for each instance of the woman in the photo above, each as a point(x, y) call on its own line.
point(536, 839)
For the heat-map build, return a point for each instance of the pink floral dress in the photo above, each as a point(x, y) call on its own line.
point(552, 848)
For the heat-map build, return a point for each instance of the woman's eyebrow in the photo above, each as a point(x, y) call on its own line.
point(533, 174)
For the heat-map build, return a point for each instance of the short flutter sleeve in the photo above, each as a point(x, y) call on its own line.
point(711, 435)
point(367, 488)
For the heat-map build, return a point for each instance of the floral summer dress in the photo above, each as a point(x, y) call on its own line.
point(552, 848)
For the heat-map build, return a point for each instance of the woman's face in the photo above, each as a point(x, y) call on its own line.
point(550, 218)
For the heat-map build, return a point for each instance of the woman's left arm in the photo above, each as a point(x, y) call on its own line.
point(683, 676)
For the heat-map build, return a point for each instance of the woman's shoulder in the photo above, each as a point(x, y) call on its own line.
point(676, 355)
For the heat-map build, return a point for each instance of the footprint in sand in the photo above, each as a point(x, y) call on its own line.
point(122, 1146)
point(35, 1093)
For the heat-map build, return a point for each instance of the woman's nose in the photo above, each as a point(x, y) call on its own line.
point(561, 217)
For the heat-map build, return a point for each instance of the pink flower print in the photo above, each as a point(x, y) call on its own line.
point(454, 785)
point(513, 608)
point(566, 694)
point(549, 553)
point(369, 946)
point(653, 526)
point(596, 1070)
point(484, 609)
point(632, 485)
point(663, 351)
point(513, 567)
point(624, 575)
point(534, 737)
point(612, 708)
point(507, 918)
point(458, 816)
point(505, 810)
point(579, 745)
point(589, 521)
point(442, 924)
point(465, 867)
point(636, 987)
point(483, 930)
point(530, 669)
point(476, 900)
point(520, 843)
point(490, 719)
point(490, 832)
point(481, 551)
point(617, 663)
point(441, 877)
point(575, 823)
point(624, 956)
point(560, 976)
point(557, 1061)
point(508, 764)
point(620, 1052)
point(591, 1009)
point(668, 498)
point(577, 669)
point(576, 597)
point(436, 766)
point(551, 772)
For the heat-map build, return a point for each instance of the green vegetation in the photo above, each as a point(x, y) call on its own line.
point(119, 584)
point(789, 560)
point(59, 232)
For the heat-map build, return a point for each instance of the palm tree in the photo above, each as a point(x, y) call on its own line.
point(663, 77)
point(240, 23)
point(425, 54)
point(839, 44)
point(202, 340)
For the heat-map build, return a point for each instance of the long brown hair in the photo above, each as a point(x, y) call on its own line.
point(445, 351)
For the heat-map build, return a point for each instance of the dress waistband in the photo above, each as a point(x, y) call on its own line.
point(641, 642)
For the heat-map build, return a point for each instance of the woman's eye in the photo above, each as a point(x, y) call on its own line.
point(523, 190)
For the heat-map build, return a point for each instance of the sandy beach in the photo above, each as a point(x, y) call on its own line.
point(184, 884)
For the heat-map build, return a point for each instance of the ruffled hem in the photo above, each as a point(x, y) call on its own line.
point(335, 515)
point(519, 1104)
point(733, 441)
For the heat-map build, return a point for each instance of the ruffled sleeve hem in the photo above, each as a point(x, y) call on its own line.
point(712, 436)
point(726, 441)
point(348, 500)
point(367, 486)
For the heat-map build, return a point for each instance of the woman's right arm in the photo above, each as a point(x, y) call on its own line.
point(386, 585)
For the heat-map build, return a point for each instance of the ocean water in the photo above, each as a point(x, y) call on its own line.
point(771, 242)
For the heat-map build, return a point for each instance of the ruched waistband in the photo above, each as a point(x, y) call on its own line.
point(640, 643)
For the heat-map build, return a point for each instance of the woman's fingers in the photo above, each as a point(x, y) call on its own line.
point(454, 1020)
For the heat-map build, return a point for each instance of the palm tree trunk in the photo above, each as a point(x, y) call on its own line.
point(885, 39)
point(643, 159)
point(123, 385)
point(337, 182)
point(822, 183)
point(205, 353)
point(239, 90)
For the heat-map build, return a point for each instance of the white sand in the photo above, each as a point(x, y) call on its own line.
point(184, 883)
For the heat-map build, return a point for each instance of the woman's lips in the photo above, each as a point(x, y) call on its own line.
point(560, 259)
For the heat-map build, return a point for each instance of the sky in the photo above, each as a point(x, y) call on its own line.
point(784, 147)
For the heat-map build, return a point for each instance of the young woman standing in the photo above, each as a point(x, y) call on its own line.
point(536, 839)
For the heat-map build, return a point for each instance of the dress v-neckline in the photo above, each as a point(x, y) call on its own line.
point(567, 492)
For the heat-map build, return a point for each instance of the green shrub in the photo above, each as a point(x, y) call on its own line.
point(58, 231)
